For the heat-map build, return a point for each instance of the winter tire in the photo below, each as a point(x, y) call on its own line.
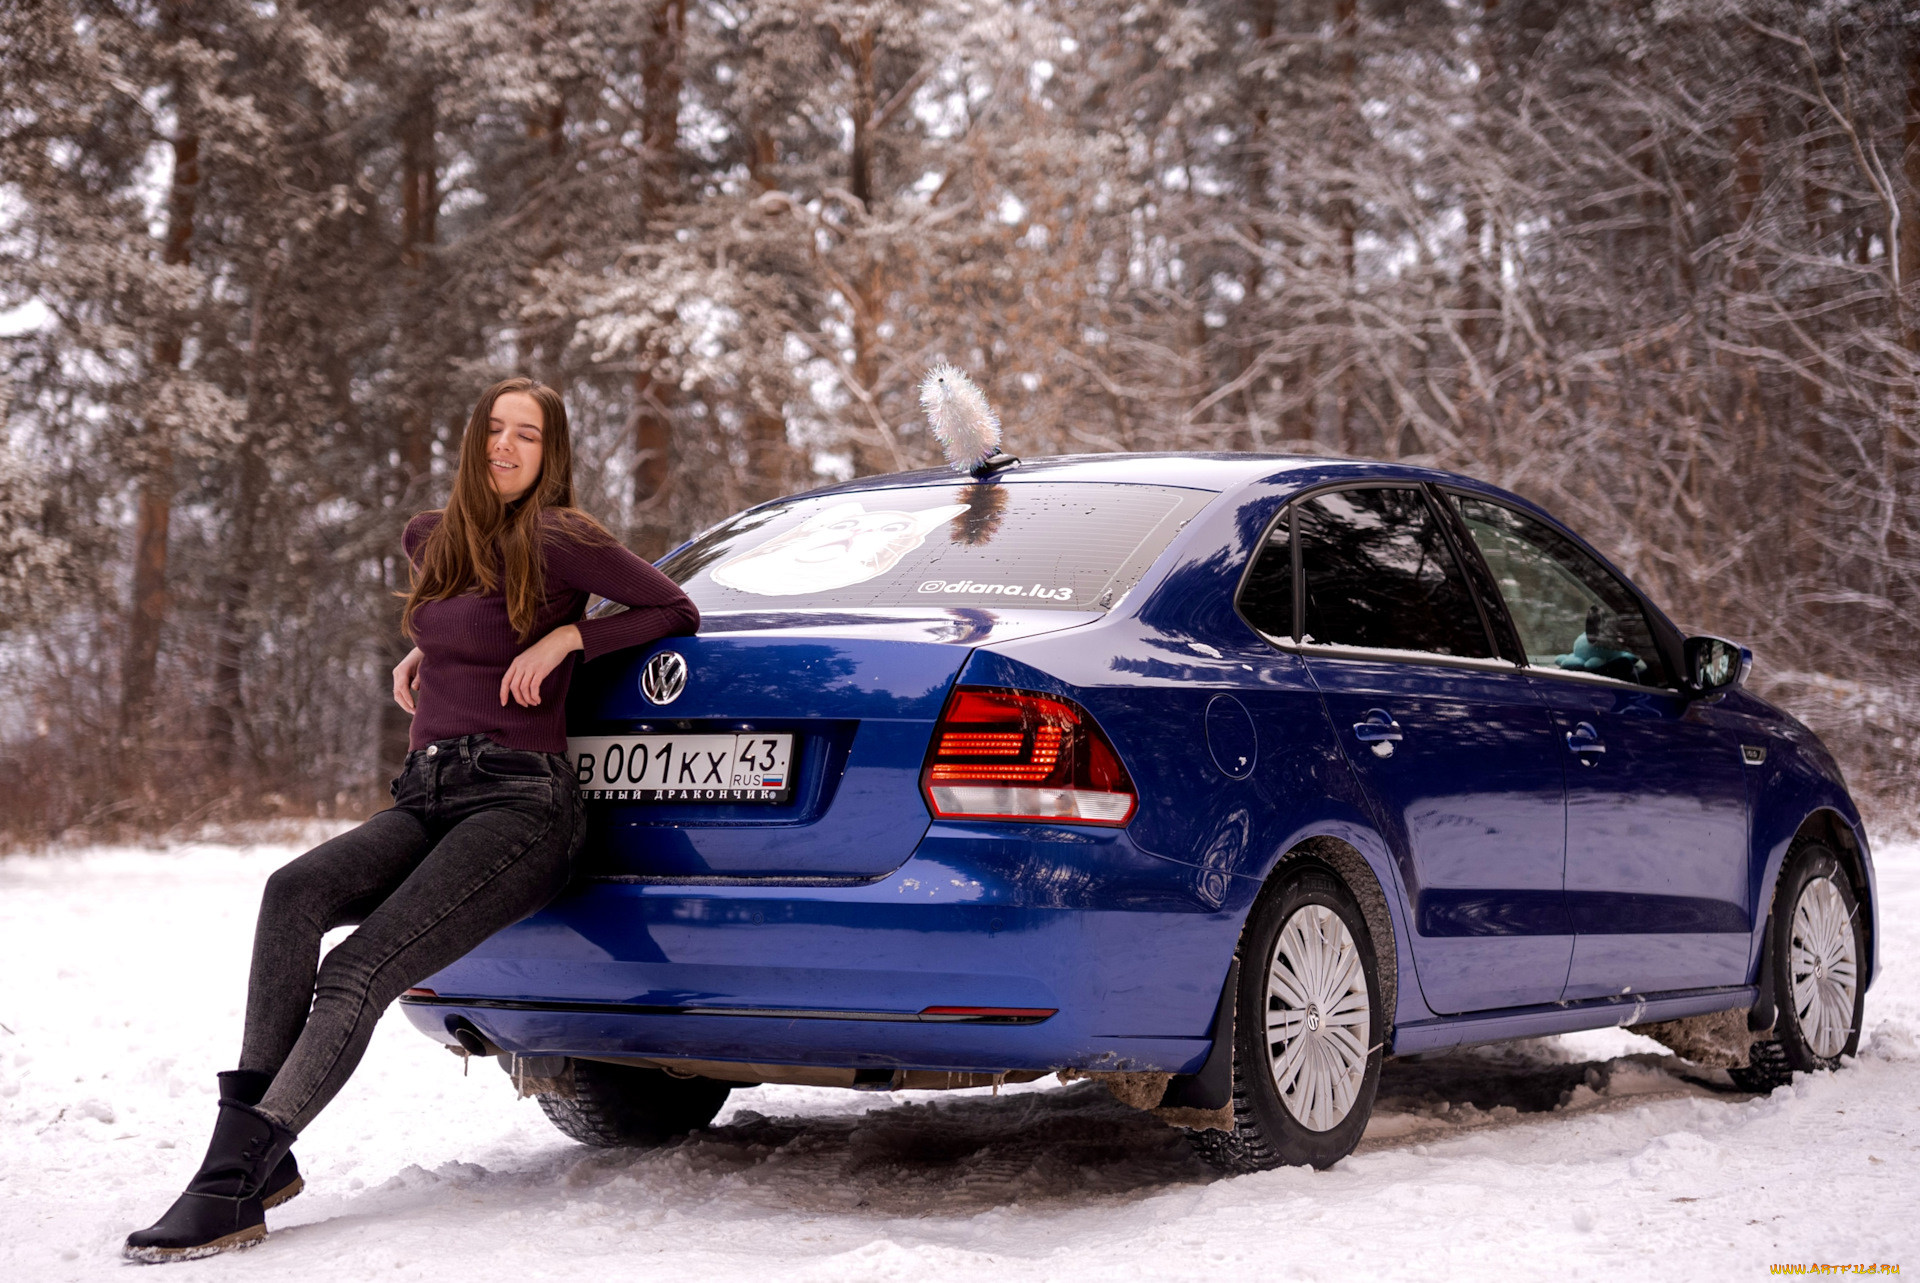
point(1817, 955)
point(615, 1106)
point(1306, 1036)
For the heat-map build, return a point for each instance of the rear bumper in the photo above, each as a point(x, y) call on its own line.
point(1127, 950)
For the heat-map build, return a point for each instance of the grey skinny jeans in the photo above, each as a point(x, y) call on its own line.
point(479, 837)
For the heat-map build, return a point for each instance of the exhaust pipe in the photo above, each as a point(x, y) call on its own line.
point(471, 1040)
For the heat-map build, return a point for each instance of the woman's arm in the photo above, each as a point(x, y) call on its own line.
point(406, 674)
point(529, 669)
point(656, 608)
point(406, 679)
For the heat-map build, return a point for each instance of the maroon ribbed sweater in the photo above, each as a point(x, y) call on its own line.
point(467, 643)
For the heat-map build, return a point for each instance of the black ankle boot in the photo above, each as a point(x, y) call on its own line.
point(247, 1086)
point(221, 1207)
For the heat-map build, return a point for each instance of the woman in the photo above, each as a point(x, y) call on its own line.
point(486, 816)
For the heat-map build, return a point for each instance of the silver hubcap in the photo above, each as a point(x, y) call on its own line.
point(1318, 1025)
point(1824, 969)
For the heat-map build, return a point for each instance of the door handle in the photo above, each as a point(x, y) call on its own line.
point(1584, 741)
point(1379, 730)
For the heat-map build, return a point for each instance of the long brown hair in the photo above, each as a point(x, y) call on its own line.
point(482, 540)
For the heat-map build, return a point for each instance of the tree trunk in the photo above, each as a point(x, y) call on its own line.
point(546, 123)
point(1475, 296)
point(1910, 169)
point(419, 231)
point(1347, 133)
point(662, 76)
point(869, 455)
point(767, 455)
point(230, 644)
point(653, 465)
point(1749, 179)
point(1749, 145)
point(148, 614)
point(860, 160)
point(1906, 401)
point(1251, 433)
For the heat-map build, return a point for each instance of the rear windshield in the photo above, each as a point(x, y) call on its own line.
point(1064, 546)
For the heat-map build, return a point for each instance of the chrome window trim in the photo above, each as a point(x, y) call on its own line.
point(1600, 679)
point(1368, 654)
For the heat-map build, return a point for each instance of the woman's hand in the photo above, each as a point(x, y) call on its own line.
point(531, 666)
point(406, 679)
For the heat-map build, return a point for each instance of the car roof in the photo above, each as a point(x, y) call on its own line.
point(1218, 472)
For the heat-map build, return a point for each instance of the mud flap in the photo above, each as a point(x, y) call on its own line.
point(1762, 1015)
point(1211, 1089)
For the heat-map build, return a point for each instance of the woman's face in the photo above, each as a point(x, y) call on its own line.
point(514, 429)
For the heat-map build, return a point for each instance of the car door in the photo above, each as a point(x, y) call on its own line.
point(1451, 745)
point(1656, 788)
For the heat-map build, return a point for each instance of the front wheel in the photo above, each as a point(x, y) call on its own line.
point(1817, 947)
point(615, 1106)
point(1307, 1031)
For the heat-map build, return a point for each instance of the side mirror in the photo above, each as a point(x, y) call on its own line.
point(1714, 664)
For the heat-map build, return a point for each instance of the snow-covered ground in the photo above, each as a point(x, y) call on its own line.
point(121, 979)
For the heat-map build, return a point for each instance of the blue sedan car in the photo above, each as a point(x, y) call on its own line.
point(1221, 775)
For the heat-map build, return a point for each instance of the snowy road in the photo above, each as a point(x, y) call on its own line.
point(1592, 1156)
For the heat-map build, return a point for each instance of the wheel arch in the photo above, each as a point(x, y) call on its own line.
point(1345, 861)
point(1797, 795)
point(1829, 827)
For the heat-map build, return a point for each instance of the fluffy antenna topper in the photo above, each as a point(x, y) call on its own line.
point(963, 423)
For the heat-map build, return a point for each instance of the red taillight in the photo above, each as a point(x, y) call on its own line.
point(1013, 755)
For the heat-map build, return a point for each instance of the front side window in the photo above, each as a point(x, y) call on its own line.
point(1571, 613)
point(1379, 574)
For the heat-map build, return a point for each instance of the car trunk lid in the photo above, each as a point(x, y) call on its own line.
point(859, 692)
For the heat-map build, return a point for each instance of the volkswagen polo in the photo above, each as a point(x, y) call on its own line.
point(1222, 776)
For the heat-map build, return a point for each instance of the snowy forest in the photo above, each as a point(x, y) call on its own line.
point(1654, 264)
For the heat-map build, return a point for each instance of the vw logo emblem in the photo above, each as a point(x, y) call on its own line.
point(664, 677)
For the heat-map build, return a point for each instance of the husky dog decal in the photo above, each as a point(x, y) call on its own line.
point(834, 548)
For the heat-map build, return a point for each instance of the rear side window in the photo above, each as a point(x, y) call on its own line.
point(1569, 611)
point(1266, 599)
point(1065, 546)
point(1379, 574)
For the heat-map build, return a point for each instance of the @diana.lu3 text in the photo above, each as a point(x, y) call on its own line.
point(974, 588)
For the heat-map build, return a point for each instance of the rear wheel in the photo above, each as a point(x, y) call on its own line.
point(1307, 1019)
point(614, 1106)
point(1817, 949)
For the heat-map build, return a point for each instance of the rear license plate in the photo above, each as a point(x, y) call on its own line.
point(683, 768)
